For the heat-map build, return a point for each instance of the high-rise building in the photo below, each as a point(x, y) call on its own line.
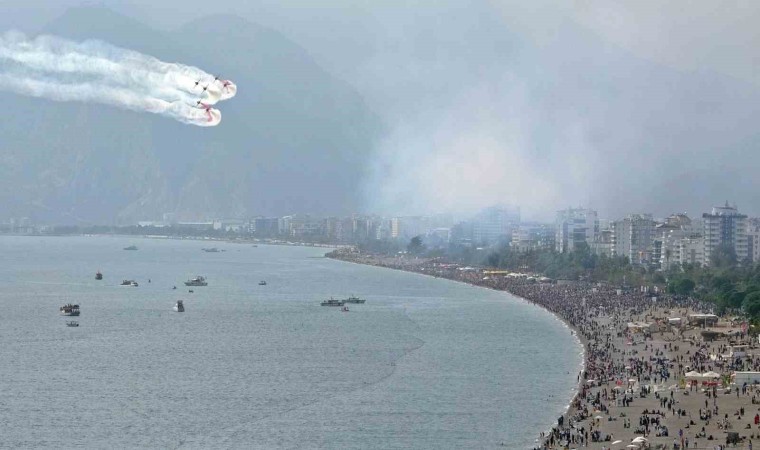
point(604, 244)
point(574, 227)
point(753, 239)
point(633, 238)
point(532, 236)
point(408, 227)
point(494, 223)
point(725, 227)
point(691, 250)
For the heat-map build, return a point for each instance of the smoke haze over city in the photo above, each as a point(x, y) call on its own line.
point(448, 107)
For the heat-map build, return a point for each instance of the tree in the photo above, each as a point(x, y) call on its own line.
point(751, 304)
point(724, 256)
point(416, 246)
point(683, 286)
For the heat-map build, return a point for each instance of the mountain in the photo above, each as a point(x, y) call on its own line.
point(294, 138)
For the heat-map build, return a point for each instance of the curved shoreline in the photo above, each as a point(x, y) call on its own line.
point(579, 338)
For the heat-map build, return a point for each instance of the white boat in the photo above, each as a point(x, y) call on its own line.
point(197, 281)
point(179, 306)
point(332, 302)
point(69, 310)
point(131, 283)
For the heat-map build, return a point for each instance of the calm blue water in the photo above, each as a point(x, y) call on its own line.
point(425, 363)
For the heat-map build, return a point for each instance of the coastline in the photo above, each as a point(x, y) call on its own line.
point(640, 350)
point(578, 336)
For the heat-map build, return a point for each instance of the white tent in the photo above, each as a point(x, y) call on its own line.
point(711, 374)
point(693, 374)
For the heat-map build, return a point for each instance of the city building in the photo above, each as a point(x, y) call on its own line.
point(495, 223)
point(604, 244)
point(724, 227)
point(532, 236)
point(408, 227)
point(633, 238)
point(753, 239)
point(691, 250)
point(574, 227)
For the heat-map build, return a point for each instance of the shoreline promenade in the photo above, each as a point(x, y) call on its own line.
point(651, 379)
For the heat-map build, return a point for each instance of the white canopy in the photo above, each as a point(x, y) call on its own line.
point(693, 374)
point(711, 374)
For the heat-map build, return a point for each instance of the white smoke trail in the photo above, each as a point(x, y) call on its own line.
point(94, 71)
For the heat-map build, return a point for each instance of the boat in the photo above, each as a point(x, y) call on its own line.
point(69, 310)
point(354, 299)
point(131, 283)
point(333, 302)
point(71, 323)
point(197, 281)
point(262, 283)
point(211, 250)
point(344, 309)
point(179, 307)
point(98, 276)
point(131, 247)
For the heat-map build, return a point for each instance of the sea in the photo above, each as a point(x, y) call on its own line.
point(425, 363)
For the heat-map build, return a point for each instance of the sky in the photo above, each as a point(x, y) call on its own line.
point(631, 106)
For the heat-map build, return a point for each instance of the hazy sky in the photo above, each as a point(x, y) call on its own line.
point(638, 106)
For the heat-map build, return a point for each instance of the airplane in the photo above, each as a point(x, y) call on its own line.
point(199, 104)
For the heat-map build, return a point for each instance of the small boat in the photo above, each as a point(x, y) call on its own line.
point(344, 309)
point(333, 302)
point(211, 250)
point(197, 281)
point(131, 247)
point(69, 310)
point(354, 299)
point(98, 276)
point(262, 283)
point(179, 307)
point(131, 283)
point(71, 323)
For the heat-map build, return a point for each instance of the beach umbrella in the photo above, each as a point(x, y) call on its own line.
point(598, 417)
point(693, 374)
point(617, 442)
point(639, 439)
point(711, 374)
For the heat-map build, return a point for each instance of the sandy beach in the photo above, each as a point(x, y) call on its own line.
point(659, 370)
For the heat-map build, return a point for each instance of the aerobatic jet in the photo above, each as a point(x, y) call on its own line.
point(199, 104)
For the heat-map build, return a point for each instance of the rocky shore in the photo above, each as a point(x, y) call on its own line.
point(660, 371)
